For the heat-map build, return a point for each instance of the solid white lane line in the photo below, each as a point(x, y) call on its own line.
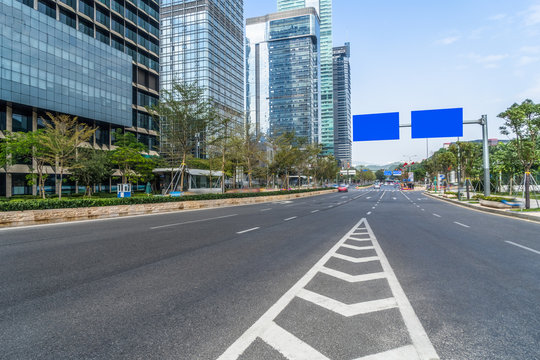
point(406, 352)
point(369, 213)
point(314, 211)
point(346, 309)
point(352, 278)
point(248, 230)
point(266, 209)
point(418, 335)
point(292, 217)
point(460, 224)
point(523, 247)
point(193, 221)
point(437, 215)
point(289, 345)
point(356, 260)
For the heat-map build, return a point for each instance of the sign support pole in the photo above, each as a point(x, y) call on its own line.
point(487, 181)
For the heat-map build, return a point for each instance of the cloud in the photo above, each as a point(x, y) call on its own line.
point(488, 61)
point(497, 17)
point(530, 49)
point(533, 92)
point(448, 40)
point(526, 60)
point(532, 15)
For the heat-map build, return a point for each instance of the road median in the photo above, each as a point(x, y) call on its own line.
point(492, 210)
point(48, 216)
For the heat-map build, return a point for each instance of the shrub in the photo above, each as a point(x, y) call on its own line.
point(40, 204)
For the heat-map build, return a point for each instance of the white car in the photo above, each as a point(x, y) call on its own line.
point(377, 186)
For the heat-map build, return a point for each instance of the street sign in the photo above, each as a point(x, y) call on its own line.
point(396, 173)
point(387, 173)
point(376, 127)
point(437, 123)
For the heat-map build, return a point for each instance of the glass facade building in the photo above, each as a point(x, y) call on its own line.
point(324, 9)
point(282, 73)
point(98, 60)
point(342, 105)
point(202, 42)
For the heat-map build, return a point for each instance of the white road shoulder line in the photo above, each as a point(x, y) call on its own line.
point(289, 345)
point(345, 309)
point(405, 352)
point(193, 221)
point(460, 224)
point(523, 247)
point(248, 230)
point(291, 218)
point(266, 209)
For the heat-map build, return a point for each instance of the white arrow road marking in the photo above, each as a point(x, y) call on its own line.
point(345, 309)
point(289, 345)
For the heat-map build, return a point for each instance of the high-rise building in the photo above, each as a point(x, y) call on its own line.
point(342, 105)
point(202, 42)
point(97, 60)
point(282, 73)
point(324, 9)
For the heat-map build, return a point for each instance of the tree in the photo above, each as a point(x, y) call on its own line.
point(286, 156)
point(183, 117)
point(62, 136)
point(127, 155)
point(379, 174)
point(523, 121)
point(91, 167)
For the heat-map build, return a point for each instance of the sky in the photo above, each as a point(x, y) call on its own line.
point(481, 55)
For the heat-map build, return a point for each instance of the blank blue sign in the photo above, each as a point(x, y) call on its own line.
point(376, 127)
point(437, 123)
point(396, 173)
point(387, 173)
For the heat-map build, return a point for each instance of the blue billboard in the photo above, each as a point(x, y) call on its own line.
point(373, 127)
point(437, 123)
point(387, 173)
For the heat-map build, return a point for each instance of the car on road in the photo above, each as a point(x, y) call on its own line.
point(343, 188)
point(377, 186)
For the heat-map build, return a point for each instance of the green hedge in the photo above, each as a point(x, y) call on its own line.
point(20, 205)
point(490, 198)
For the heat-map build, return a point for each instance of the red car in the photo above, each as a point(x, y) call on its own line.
point(343, 188)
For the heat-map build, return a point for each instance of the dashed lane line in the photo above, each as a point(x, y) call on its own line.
point(267, 209)
point(193, 221)
point(437, 215)
point(460, 224)
point(523, 247)
point(291, 218)
point(248, 230)
point(369, 213)
point(314, 211)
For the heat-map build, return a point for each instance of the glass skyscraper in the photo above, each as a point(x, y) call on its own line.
point(324, 9)
point(282, 73)
point(97, 60)
point(202, 42)
point(342, 105)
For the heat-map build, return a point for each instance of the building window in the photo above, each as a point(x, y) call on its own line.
point(117, 43)
point(47, 8)
point(87, 8)
point(28, 2)
point(86, 28)
point(68, 18)
point(69, 3)
point(105, 2)
point(19, 185)
point(102, 36)
point(117, 25)
point(21, 122)
point(118, 6)
point(102, 17)
point(2, 118)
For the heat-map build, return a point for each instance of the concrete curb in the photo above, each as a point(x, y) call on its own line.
point(488, 210)
point(36, 217)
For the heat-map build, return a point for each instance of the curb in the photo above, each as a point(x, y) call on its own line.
point(488, 210)
point(51, 216)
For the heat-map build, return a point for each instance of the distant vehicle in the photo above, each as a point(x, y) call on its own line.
point(377, 186)
point(343, 188)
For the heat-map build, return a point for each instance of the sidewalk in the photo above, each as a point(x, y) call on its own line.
point(531, 216)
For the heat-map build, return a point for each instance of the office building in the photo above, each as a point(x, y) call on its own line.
point(324, 9)
point(282, 73)
point(97, 60)
point(342, 105)
point(202, 42)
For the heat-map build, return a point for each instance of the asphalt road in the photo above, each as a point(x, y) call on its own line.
point(365, 274)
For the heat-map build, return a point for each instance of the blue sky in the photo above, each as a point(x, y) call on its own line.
point(414, 55)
